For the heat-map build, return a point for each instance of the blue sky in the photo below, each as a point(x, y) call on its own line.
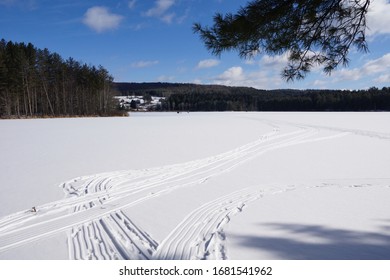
point(152, 40)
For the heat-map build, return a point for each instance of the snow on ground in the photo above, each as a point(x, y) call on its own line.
point(197, 186)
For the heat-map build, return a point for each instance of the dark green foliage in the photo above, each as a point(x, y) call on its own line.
point(193, 97)
point(281, 100)
point(312, 32)
point(35, 82)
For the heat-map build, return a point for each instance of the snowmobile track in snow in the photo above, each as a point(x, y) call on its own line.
point(97, 227)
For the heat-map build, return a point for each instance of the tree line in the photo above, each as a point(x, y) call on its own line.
point(373, 99)
point(163, 89)
point(36, 82)
point(195, 97)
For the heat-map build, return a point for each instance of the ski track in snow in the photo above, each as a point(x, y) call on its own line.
point(97, 227)
point(200, 235)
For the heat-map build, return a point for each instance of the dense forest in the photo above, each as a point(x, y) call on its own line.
point(38, 83)
point(283, 100)
point(192, 97)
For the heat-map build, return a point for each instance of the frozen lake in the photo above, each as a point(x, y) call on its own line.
point(196, 186)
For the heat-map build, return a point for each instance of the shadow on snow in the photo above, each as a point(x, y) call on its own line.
point(329, 244)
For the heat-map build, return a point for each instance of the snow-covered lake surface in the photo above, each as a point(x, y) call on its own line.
point(197, 186)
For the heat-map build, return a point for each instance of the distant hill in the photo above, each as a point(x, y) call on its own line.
point(166, 89)
point(149, 86)
point(194, 97)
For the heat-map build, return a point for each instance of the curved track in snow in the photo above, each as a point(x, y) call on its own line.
point(98, 228)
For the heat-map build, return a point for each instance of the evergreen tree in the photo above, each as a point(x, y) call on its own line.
point(312, 32)
point(35, 82)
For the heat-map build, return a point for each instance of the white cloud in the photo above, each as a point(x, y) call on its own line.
point(320, 83)
point(349, 74)
point(160, 7)
point(138, 26)
point(372, 67)
point(237, 76)
point(160, 10)
point(378, 19)
point(378, 65)
point(131, 4)
point(276, 61)
point(383, 79)
point(267, 77)
point(164, 78)
point(168, 18)
point(181, 19)
point(208, 63)
point(251, 62)
point(101, 19)
point(143, 64)
point(232, 76)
